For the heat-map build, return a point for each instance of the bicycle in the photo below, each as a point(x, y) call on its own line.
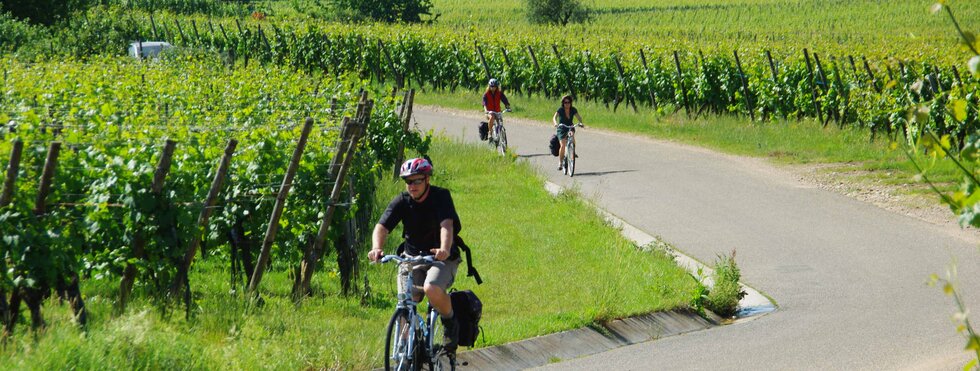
point(568, 163)
point(498, 138)
point(412, 343)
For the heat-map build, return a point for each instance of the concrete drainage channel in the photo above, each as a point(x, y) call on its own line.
point(582, 342)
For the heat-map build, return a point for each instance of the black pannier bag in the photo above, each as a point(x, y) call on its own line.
point(484, 130)
point(554, 145)
point(468, 309)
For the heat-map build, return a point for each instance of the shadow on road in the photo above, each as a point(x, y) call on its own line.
point(530, 155)
point(598, 173)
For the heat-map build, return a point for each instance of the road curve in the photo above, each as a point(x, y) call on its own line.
point(849, 278)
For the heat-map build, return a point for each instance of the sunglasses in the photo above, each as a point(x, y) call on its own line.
point(418, 181)
point(566, 102)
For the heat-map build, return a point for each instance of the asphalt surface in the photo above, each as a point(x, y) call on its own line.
point(848, 277)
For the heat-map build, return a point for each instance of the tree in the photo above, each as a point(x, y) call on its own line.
point(558, 12)
point(45, 12)
point(389, 11)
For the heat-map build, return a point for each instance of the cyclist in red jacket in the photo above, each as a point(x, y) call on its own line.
point(491, 101)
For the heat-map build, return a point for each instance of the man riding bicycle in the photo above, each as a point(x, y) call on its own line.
point(491, 102)
point(430, 225)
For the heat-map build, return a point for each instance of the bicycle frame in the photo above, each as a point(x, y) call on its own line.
point(498, 136)
point(569, 165)
point(420, 331)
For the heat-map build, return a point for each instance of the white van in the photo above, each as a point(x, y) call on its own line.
point(147, 49)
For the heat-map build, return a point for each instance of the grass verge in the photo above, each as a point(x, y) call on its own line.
point(549, 264)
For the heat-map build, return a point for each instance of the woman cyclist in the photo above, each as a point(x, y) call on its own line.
point(564, 117)
point(491, 101)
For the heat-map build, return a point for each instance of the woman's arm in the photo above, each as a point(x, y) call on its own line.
point(554, 119)
point(579, 117)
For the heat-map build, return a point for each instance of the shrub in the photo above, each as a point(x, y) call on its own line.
point(724, 296)
point(558, 12)
point(390, 11)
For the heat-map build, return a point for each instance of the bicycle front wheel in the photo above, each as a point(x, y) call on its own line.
point(570, 157)
point(440, 359)
point(398, 343)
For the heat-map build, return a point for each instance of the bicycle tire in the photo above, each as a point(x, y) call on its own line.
point(439, 360)
point(397, 343)
point(570, 157)
point(502, 141)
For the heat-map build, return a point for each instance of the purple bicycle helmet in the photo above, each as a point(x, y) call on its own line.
point(416, 166)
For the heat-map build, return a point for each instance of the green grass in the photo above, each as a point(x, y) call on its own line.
point(784, 141)
point(549, 264)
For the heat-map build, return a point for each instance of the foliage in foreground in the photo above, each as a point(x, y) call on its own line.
point(965, 203)
point(727, 291)
point(519, 245)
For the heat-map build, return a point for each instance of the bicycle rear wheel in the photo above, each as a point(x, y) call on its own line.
point(398, 352)
point(440, 360)
point(570, 157)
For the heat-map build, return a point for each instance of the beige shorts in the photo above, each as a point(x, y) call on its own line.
point(441, 274)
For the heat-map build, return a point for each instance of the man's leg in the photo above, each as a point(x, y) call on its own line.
point(439, 278)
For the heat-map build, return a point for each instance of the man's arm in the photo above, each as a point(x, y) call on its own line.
point(446, 238)
point(378, 241)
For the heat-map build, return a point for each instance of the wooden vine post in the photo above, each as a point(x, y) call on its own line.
point(12, 168)
point(564, 70)
point(346, 257)
point(871, 75)
point(153, 24)
point(622, 81)
point(510, 69)
point(180, 30)
point(813, 85)
point(772, 68)
point(338, 171)
point(745, 86)
point(197, 35)
point(646, 71)
point(591, 68)
point(537, 70)
point(847, 95)
point(5, 197)
point(680, 82)
point(273, 228)
point(825, 87)
point(139, 240)
point(405, 115)
point(486, 68)
point(399, 81)
point(181, 282)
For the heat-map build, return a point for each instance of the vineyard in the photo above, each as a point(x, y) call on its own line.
point(872, 92)
point(846, 90)
point(124, 170)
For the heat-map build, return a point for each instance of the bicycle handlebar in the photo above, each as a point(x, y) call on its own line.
point(581, 125)
point(429, 259)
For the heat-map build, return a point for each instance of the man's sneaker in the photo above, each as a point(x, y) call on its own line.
point(450, 332)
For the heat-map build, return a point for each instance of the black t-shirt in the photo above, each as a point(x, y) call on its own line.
point(566, 120)
point(420, 221)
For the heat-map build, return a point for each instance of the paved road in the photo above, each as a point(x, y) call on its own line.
point(849, 278)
